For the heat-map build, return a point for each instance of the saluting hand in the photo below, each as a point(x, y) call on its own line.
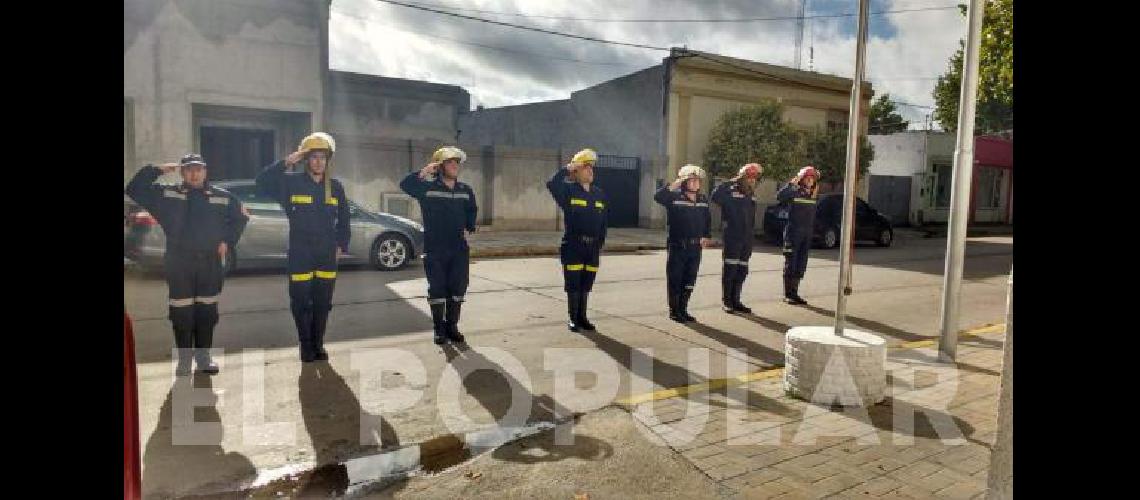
point(430, 169)
point(293, 158)
point(168, 167)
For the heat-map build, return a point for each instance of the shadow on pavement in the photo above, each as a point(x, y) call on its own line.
point(870, 325)
point(761, 352)
point(335, 423)
point(668, 375)
point(173, 469)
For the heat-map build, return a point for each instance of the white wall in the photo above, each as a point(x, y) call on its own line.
point(263, 54)
point(900, 154)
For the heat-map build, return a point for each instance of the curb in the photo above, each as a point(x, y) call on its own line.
point(369, 473)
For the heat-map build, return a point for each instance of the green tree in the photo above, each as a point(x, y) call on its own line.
point(759, 134)
point(826, 150)
point(755, 133)
point(883, 118)
point(995, 75)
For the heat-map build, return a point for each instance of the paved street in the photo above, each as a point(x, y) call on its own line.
point(515, 305)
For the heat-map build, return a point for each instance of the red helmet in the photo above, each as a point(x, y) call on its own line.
point(809, 170)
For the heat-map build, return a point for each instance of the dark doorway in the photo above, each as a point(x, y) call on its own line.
point(890, 195)
point(620, 178)
point(236, 153)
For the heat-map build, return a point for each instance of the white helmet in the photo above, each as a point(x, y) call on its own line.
point(690, 171)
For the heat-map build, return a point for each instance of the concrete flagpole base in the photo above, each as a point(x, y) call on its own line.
point(825, 368)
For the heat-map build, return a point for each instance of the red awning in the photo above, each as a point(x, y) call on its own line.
point(993, 152)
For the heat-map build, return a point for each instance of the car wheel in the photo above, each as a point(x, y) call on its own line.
point(886, 236)
point(831, 237)
point(390, 252)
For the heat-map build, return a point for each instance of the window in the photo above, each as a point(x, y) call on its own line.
point(254, 201)
point(943, 175)
point(988, 187)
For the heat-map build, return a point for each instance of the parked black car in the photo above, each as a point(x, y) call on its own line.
point(869, 223)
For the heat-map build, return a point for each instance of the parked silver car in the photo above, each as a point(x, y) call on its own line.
point(385, 241)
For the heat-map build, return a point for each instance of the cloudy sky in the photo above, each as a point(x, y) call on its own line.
point(501, 65)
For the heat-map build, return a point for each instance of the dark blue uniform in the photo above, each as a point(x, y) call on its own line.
point(447, 213)
point(584, 215)
point(317, 227)
point(688, 222)
point(797, 235)
point(194, 221)
point(738, 213)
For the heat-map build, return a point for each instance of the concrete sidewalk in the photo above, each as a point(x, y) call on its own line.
point(930, 439)
point(781, 447)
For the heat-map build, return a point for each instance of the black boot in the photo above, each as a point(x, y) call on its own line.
point(684, 303)
point(583, 302)
point(726, 293)
point(202, 342)
point(185, 362)
point(790, 291)
point(439, 324)
point(796, 292)
point(182, 320)
point(317, 344)
point(453, 308)
point(303, 318)
point(322, 308)
point(737, 287)
point(573, 303)
point(675, 308)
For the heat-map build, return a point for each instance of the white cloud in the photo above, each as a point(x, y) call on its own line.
point(372, 37)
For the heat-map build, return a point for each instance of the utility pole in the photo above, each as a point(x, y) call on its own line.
point(849, 178)
point(960, 190)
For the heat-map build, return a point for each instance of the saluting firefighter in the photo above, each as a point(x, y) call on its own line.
point(319, 232)
point(449, 211)
point(584, 211)
point(800, 196)
point(202, 224)
point(689, 221)
point(738, 211)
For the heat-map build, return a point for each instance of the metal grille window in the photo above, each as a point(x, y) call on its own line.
point(943, 174)
point(989, 187)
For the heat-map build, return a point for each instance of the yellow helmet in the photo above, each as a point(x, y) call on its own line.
point(317, 140)
point(689, 171)
point(587, 155)
point(447, 153)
